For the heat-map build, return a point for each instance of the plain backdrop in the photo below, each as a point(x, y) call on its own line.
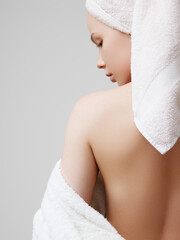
point(47, 62)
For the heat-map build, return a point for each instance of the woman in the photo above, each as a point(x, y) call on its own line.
point(142, 186)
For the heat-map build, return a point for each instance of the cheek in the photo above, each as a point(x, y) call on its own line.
point(120, 66)
point(117, 57)
point(121, 59)
point(112, 56)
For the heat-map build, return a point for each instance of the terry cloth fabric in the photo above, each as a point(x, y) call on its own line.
point(155, 63)
point(64, 215)
point(116, 14)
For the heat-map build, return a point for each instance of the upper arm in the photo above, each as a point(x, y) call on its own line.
point(78, 165)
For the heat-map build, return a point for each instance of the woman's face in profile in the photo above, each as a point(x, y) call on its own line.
point(114, 50)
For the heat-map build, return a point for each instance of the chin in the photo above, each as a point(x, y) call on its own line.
point(121, 83)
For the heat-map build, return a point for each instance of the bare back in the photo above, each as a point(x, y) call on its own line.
point(142, 186)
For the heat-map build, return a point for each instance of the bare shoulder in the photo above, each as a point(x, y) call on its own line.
point(100, 102)
point(106, 112)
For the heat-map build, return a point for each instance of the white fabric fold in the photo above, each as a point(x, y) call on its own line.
point(155, 71)
point(64, 215)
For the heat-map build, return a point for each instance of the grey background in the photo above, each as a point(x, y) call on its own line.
point(47, 62)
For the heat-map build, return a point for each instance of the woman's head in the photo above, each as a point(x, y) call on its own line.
point(114, 50)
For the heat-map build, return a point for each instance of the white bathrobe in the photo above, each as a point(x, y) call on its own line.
point(64, 215)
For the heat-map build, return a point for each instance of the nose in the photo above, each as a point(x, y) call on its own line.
point(100, 62)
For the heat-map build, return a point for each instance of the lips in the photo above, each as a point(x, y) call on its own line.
point(111, 77)
point(108, 75)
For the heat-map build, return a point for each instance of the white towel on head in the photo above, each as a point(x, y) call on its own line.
point(155, 62)
point(116, 14)
point(155, 71)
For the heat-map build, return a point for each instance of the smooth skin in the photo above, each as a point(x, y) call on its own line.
point(142, 186)
point(114, 50)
